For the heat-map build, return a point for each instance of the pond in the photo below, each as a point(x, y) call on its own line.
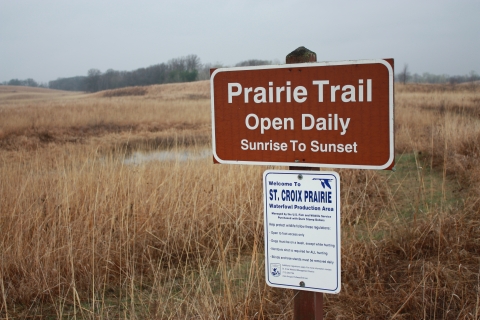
point(139, 157)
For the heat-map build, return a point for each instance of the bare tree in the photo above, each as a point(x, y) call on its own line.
point(473, 77)
point(93, 80)
point(404, 75)
point(253, 62)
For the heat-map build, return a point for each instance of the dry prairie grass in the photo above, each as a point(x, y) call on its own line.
point(131, 91)
point(85, 235)
point(31, 121)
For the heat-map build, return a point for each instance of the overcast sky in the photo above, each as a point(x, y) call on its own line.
point(49, 39)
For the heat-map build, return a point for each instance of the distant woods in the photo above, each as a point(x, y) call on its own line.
point(184, 69)
point(404, 76)
point(25, 83)
point(253, 62)
point(189, 68)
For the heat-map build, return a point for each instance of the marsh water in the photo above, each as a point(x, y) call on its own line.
point(139, 157)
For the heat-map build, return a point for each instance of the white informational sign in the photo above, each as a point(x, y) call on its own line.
point(302, 230)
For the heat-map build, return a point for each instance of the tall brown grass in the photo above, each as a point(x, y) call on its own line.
point(85, 235)
point(31, 119)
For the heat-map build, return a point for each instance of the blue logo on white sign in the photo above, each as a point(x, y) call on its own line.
point(275, 269)
point(324, 182)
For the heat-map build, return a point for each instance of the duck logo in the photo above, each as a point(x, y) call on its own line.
point(325, 182)
point(275, 269)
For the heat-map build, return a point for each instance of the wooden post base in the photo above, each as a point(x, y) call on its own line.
point(308, 305)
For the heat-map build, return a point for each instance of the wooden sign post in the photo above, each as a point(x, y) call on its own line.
point(307, 305)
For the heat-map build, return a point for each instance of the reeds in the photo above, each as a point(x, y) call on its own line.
point(85, 235)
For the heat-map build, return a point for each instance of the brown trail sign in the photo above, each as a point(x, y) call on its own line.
point(329, 114)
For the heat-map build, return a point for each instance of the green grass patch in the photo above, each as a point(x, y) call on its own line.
point(418, 189)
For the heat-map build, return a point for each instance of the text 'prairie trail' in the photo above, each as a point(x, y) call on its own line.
point(277, 94)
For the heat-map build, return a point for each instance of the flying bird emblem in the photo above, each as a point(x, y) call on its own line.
point(325, 182)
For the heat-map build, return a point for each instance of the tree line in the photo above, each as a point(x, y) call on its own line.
point(25, 83)
point(187, 69)
point(183, 69)
point(405, 76)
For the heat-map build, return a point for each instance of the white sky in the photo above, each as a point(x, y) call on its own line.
point(49, 39)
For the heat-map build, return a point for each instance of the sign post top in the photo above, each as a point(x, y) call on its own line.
point(301, 55)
